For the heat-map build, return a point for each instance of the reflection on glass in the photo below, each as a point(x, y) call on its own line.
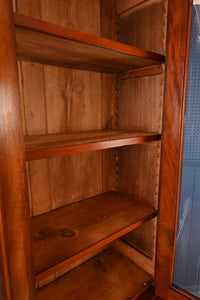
point(187, 257)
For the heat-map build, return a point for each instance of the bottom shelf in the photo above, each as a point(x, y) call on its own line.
point(108, 275)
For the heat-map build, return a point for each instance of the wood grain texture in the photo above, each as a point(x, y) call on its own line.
point(126, 7)
point(109, 275)
point(177, 41)
point(140, 166)
point(141, 260)
point(143, 238)
point(65, 99)
point(69, 233)
point(147, 71)
point(38, 147)
point(109, 93)
point(14, 207)
point(141, 103)
point(146, 28)
point(52, 44)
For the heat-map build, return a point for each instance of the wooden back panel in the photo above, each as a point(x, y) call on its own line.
point(59, 100)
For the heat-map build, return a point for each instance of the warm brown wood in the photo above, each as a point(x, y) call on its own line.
point(74, 231)
point(174, 91)
point(109, 94)
point(146, 28)
point(38, 147)
point(69, 105)
point(49, 43)
point(178, 294)
point(14, 207)
point(109, 276)
point(148, 71)
point(126, 7)
point(71, 267)
point(137, 164)
point(147, 295)
point(141, 103)
point(143, 238)
point(141, 260)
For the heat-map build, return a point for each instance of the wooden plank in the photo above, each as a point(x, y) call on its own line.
point(52, 44)
point(136, 164)
point(14, 207)
point(69, 233)
point(146, 28)
point(68, 96)
point(109, 21)
point(141, 260)
point(174, 99)
point(148, 71)
point(143, 239)
point(38, 147)
point(141, 103)
point(70, 267)
point(126, 7)
point(110, 275)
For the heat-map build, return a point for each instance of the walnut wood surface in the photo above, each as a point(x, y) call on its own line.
point(126, 7)
point(17, 262)
point(59, 100)
point(149, 26)
point(38, 147)
point(108, 276)
point(174, 99)
point(52, 44)
point(69, 233)
point(147, 71)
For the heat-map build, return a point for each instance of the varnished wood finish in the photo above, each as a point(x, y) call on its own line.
point(59, 100)
point(69, 233)
point(107, 276)
point(178, 294)
point(148, 71)
point(146, 27)
point(14, 207)
point(141, 260)
point(52, 44)
point(126, 7)
point(38, 147)
point(174, 89)
point(142, 238)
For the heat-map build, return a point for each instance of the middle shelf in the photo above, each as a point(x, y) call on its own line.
point(69, 233)
point(46, 146)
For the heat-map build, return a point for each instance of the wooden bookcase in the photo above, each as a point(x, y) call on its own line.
point(81, 129)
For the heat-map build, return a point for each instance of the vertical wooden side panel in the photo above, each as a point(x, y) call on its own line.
point(14, 207)
point(146, 27)
point(176, 54)
point(109, 96)
point(139, 170)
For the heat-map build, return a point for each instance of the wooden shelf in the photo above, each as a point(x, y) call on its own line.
point(67, 234)
point(108, 276)
point(48, 43)
point(38, 147)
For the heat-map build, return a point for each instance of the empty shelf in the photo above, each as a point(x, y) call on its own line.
point(69, 233)
point(38, 147)
point(48, 43)
point(108, 276)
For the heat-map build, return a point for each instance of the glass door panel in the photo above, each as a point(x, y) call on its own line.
point(187, 256)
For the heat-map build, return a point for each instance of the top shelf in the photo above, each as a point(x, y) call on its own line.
point(48, 43)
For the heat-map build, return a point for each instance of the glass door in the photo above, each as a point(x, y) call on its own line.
point(186, 273)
